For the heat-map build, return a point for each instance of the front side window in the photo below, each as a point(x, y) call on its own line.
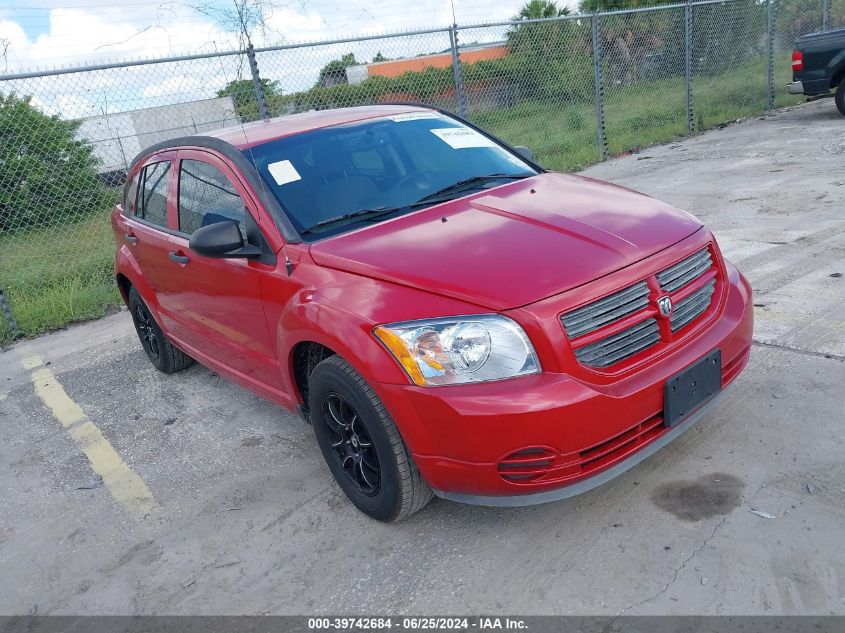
point(207, 196)
point(152, 205)
point(338, 178)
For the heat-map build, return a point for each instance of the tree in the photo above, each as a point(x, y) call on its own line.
point(242, 91)
point(549, 60)
point(591, 6)
point(243, 18)
point(334, 72)
point(379, 58)
point(538, 38)
point(538, 9)
point(47, 175)
point(4, 52)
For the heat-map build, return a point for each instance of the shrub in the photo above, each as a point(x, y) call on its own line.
point(47, 175)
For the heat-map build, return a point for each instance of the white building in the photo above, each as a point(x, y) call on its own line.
point(119, 137)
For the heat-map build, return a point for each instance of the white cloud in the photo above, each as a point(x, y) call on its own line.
point(173, 84)
point(77, 36)
point(100, 31)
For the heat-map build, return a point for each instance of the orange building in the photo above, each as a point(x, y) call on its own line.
point(396, 67)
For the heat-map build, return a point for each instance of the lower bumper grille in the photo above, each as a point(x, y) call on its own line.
point(537, 464)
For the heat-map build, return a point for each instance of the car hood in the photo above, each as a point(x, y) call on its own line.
point(515, 244)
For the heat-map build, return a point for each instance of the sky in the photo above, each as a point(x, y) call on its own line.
point(53, 33)
point(47, 34)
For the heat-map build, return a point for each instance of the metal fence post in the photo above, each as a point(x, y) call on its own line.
point(456, 68)
point(602, 141)
point(688, 64)
point(825, 14)
point(14, 330)
point(770, 26)
point(256, 83)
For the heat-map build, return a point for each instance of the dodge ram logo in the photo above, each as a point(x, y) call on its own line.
point(665, 306)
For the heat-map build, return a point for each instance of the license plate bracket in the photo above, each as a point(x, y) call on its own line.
point(687, 390)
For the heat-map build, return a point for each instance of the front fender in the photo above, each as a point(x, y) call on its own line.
point(343, 331)
point(339, 310)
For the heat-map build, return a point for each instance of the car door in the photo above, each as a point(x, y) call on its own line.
point(216, 304)
point(147, 228)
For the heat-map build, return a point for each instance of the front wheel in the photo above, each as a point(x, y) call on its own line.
point(840, 97)
point(362, 445)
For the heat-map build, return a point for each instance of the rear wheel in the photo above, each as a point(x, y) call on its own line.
point(162, 353)
point(840, 96)
point(362, 445)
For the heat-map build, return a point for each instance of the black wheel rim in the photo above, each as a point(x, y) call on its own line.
point(144, 324)
point(351, 444)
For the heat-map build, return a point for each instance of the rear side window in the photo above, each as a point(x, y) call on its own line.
point(206, 196)
point(152, 205)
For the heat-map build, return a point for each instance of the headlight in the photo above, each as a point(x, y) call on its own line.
point(456, 350)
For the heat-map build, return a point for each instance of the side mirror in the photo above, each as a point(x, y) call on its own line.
point(222, 240)
point(524, 152)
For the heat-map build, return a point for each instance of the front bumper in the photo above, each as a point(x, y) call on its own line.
point(461, 437)
point(795, 88)
point(585, 485)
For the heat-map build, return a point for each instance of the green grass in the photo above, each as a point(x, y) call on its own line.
point(563, 135)
point(55, 276)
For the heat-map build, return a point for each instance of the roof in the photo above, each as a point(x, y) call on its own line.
point(251, 134)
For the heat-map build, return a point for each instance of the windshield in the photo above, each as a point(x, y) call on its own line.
point(338, 178)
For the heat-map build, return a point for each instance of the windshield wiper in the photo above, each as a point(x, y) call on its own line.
point(432, 198)
point(360, 214)
point(472, 181)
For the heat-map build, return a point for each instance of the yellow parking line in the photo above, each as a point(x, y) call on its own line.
point(123, 483)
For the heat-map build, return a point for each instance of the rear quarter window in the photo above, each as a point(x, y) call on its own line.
point(130, 194)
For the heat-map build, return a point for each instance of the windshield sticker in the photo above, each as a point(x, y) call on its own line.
point(415, 116)
point(462, 138)
point(283, 172)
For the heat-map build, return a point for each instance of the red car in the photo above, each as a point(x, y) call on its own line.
point(452, 318)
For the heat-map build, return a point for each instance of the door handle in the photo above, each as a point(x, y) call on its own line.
point(177, 257)
point(130, 238)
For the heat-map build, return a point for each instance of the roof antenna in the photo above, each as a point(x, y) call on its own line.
point(288, 262)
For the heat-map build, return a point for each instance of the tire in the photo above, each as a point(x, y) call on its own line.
point(382, 481)
point(840, 97)
point(164, 356)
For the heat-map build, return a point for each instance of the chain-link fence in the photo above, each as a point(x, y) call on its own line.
point(837, 14)
point(574, 89)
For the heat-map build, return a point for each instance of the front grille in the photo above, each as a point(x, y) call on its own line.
point(692, 307)
point(620, 346)
point(685, 271)
point(604, 311)
point(596, 332)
